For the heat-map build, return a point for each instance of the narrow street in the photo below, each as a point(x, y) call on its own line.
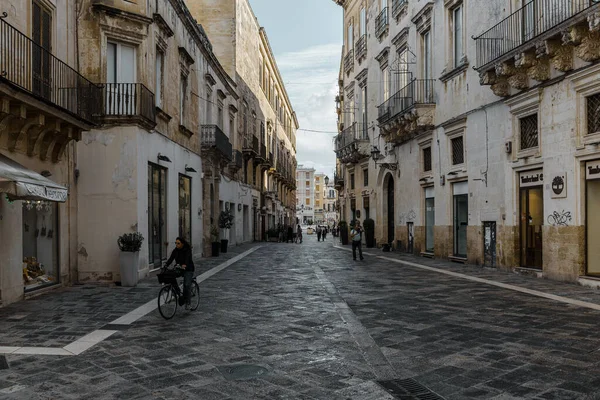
point(289, 321)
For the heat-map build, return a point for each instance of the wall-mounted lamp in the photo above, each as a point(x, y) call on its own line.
point(45, 173)
point(163, 158)
point(189, 169)
point(376, 156)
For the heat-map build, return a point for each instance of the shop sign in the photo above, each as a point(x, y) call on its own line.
point(592, 170)
point(531, 178)
point(558, 188)
point(51, 194)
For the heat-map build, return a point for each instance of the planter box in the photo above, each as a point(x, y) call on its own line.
point(128, 262)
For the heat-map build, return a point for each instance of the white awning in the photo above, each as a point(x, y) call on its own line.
point(20, 183)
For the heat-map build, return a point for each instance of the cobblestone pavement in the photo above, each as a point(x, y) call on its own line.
point(305, 321)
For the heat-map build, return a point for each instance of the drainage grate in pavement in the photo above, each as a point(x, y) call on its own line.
point(242, 371)
point(3, 362)
point(408, 389)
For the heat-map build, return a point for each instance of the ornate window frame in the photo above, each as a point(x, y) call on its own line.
point(521, 106)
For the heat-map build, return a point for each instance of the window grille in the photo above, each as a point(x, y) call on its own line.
point(427, 159)
point(593, 114)
point(458, 154)
point(529, 132)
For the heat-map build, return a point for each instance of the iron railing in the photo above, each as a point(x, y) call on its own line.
point(349, 61)
point(525, 25)
point(255, 144)
point(418, 91)
point(213, 136)
point(381, 22)
point(128, 100)
point(271, 159)
point(397, 6)
point(355, 132)
point(237, 159)
point(32, 68)
point(263, 152)
point(361, 47)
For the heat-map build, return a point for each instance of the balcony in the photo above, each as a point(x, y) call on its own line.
point(128, 103)
point(349, 61)
point(361, 47)
point(352, 145)
point(539, 35)
point(408, 111)
point(213, 139)
point(398, 6)
point(250, 146)
point(237, 161)
point(381, 23)
point(338, 180)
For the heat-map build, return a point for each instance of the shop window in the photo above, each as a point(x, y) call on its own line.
point(593, 113)
point(40, 244)
point(528, 127)
point(185, 208)
point(427, 159)
point(157, 215)
point(458, 154)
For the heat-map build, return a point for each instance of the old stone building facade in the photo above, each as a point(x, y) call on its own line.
point(478, 146)
point(267, 123)
point(305, 194)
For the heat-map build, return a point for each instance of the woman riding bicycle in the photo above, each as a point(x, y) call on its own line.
point(182, 254)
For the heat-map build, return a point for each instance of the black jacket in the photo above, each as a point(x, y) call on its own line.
point(182, 256)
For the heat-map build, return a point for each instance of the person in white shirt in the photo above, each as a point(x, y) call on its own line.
point(356, 236)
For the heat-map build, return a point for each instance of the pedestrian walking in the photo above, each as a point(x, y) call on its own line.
point(324, 233)
point(290, 234)
point(356, 236)
point(319, 231)
point(299, 234)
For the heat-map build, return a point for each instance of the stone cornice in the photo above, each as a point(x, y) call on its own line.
point(422, 19)
point(163, 25)
point(115, 12)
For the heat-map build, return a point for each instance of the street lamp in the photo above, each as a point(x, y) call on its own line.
point(326, 180)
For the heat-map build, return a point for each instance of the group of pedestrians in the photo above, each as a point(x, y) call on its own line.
point(322, 232)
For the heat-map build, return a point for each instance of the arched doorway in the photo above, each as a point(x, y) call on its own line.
point(388, 187)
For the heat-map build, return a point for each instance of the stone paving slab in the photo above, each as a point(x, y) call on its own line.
point(326, 327)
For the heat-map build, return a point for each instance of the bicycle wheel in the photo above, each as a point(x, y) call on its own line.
point(167, 302)
point(194, 296)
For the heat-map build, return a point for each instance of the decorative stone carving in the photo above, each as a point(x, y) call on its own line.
point(574, 35)
point(519, 81)
point(561, 55)
point(594, 21)
point(505, 69)
point(501, 88)
point(589, 49)
point(541, 70)
point(488, 77)
point(525, 60)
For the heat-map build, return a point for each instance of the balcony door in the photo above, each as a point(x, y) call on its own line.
point(120, 79)
point(41, 50)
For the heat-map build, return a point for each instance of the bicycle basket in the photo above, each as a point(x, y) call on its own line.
point(168, 276)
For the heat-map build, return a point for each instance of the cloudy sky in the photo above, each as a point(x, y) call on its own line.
point(306, 37)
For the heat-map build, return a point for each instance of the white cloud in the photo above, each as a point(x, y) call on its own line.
point(310, 77)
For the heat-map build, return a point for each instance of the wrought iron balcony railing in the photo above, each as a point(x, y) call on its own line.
point(361, 47)
point(128, 100)
point(30, 67)
point(526, 24)
point(381, 22)
point(237, 159)
point(349, 61)
point(418, 91)
point(271, 161)
point(263, 152)
point(213, 137)
point(397, 7)
point(353, 133)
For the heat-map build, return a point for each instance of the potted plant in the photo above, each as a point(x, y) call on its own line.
point(130, 245)
point(225, 222)
point(343, 225)
point(214, 236)
point(369, 226)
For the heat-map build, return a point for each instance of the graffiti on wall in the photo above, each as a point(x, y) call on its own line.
point(560, 218)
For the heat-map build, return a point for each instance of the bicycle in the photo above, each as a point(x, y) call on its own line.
point(169, 294)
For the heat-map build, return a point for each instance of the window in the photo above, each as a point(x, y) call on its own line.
point(42, 35)
point(457, 34)
point(208, 105)
point(231, 129)
point(182, 99)
point(458, 155)
point(317, 189)
point(352, 181)
point(593, 113)
point(308, 202)
point(185, 207)
point(120, 79)
point(426, 38)
point(261, 72)
point(385, 84)
point(529, 131)
point(307, 183)
point(350, 38)
point(158, 72)
point(307, 192)
point(427, 159)
point(220, 115)
point(363, 113)
point(363, 21)
point(308, 175)
point(317, 178)
point(365, 177)
point(317, 204)
point(40, 232)
point(402, 75)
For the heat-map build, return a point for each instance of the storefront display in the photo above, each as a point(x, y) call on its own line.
point(40, 244)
